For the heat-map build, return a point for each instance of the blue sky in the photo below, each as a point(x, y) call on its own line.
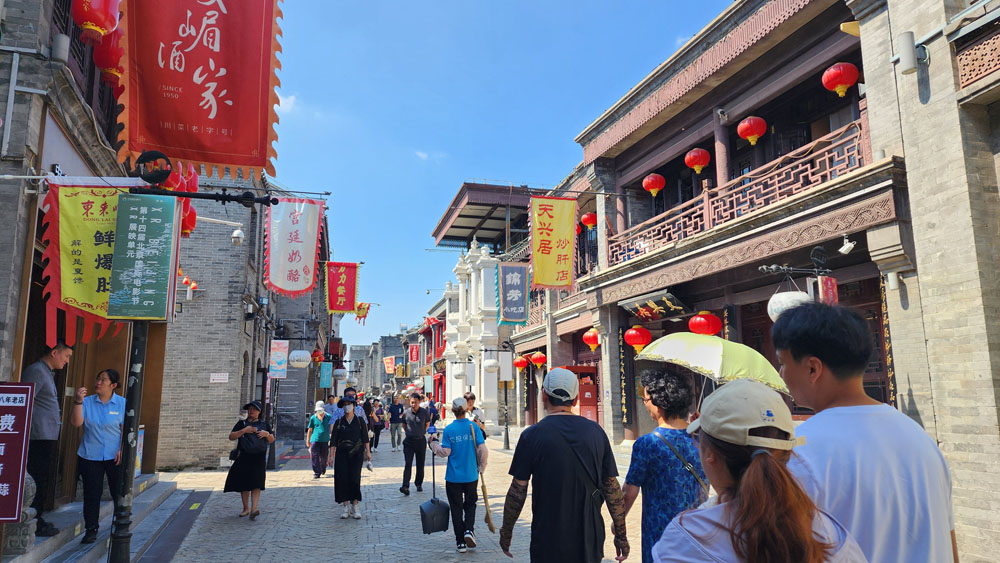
point(391, 105)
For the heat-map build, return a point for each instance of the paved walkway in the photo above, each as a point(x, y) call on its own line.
point(299, 520)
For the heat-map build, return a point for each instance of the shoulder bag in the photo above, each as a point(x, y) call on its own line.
point(687, 465)
point(250, 443)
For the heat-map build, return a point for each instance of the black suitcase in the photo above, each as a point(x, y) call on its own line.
point(434, 513)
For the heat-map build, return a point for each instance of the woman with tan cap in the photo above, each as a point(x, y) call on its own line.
point(745, 436)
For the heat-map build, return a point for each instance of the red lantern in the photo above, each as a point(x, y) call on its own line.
point(638, 337)
point(592, 338)
point(107, 56)
point(839, 77)
point(538, 359)
point(189, 222)
point(705, 323)
point(186, 280)
point(589, 219)
point(653, 184)
point(317, 356)
point(578, 229)
point(697, 159)
point(190, 186)
point(96, 18)
point(175, 181)
point(752, 128)
point(194, 286)
point(520, 363)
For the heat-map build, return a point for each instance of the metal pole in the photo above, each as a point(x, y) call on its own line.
point(121, 533)
point(506, 419)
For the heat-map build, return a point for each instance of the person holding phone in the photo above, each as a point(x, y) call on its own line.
point(248, 473)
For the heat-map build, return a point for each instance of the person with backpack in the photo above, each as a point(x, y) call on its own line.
point(464, 444)
point(248, 473)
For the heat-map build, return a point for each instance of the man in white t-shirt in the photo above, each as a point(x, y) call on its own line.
point(867, 464)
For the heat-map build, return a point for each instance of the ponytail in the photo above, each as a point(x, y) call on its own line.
point(772, 517)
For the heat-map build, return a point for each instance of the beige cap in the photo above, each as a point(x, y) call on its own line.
point(561, 384)
point(319, 406)
point(460, 403)
point(732, 410)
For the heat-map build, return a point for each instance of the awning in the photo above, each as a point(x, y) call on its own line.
point(480, 211)
point(655, 306)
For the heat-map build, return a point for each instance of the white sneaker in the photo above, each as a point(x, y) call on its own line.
point(347, 512)
point(470, 539)
point(355, 512)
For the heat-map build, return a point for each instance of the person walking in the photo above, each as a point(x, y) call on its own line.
point(464, 444)
point(378, 423)
point(416, 419)
point(46, 421)
point(318, 439)
point(572, 470)
point(746, 435)
point(866, 463)
point(99, 454)
point(395, 423)
point(665, 464)
point(349, 448)
point(248, 473)
point(474, 413)
point(338, 413)
point(331, 406)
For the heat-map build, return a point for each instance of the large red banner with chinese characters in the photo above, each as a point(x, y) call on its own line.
point(341, 287)
point(291, 255)
point(15, 422)
point(414, 353)
point(200, 81)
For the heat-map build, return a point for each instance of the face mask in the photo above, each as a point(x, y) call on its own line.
point(243, 415)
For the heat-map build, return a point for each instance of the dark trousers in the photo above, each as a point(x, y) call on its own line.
point(378, 432)
point(414, 447)
point(41, 461)
point(462, 498)
point(320, 452)
point(93, 473)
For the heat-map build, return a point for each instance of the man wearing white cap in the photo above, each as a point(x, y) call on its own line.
point(569, 462)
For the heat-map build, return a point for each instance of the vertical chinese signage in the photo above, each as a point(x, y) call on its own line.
point(15, 422)
point(389, 364)
point(200, 83)
point(512, 294)
point(341, 287)
point(414, 353)
point(145, 258)
point(277, 367)
point(828, 292)
point(326, 375)
point(553, 242)
point(292, 250)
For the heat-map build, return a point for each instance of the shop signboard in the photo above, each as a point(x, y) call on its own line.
point(15, 423)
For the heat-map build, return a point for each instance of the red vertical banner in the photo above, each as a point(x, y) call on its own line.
point(414, 353)
point(200, 81)
point(341, 287)
point(828, 290)
point(15, 423)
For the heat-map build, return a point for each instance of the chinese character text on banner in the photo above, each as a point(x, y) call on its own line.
point(292, 250)
point(389, 364)
point(553, 244)
point(15, 420)
point(277, 367)
point(200, 83)
point(414, 353)
point(341, 287)
point(512, 293)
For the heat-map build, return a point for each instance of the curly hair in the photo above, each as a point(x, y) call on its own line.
point(669, 389)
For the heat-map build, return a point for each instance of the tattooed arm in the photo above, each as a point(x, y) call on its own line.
point(516, 495)
point(616, 506)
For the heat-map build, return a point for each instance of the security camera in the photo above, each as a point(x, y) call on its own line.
point(847, 247)
point(723, 116)
point(238, 237)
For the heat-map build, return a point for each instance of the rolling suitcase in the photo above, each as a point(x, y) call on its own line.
point(434, 513)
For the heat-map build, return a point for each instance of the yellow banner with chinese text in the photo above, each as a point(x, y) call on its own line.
point(87, 218)
point(553, 241)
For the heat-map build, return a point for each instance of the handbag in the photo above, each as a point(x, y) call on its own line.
point(687, 465)
point(250, 443)
point(234, 454)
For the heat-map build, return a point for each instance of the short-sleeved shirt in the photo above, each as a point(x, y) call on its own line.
point(395, 414)
point(667, 487)
point(547, 454)
point(320, 429)
point(463, 465)
point(358, 411)
point(879, 474)
point(415, 423)
point(102, 427)
point(46, 415)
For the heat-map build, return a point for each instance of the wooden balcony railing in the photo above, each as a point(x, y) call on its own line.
point(806, 167)
point(536, 306)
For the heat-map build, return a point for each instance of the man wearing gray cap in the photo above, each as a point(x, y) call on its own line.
point(569, 462)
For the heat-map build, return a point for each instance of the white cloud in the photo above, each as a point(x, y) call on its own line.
point(421, 155)
point(286, 104)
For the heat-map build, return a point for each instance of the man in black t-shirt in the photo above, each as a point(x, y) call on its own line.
point(416, 419)
point(396, 423)
point(572, 470)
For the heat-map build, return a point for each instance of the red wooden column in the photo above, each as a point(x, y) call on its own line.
point(721, 147)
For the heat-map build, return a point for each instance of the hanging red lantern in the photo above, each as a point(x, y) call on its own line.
point(520, 363)
point(705, 323)
point(186, 280)
point(579, 229)
point(589, 219)
point(653, 184)
point(190, 186)
point(839, 77)
point(752, 128)
point(592, 338)
point(175, 181)
point(189, 222)
point(108, 54)
point(96, 18)
point(538, 359)
point(638, 337)
point(317, 356)
point(697, 159)
point(194, 286)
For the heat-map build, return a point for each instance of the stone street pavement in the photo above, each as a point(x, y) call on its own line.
point(299, 520)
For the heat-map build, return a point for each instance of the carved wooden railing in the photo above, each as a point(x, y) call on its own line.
point(805, 168)
point(536, 306)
